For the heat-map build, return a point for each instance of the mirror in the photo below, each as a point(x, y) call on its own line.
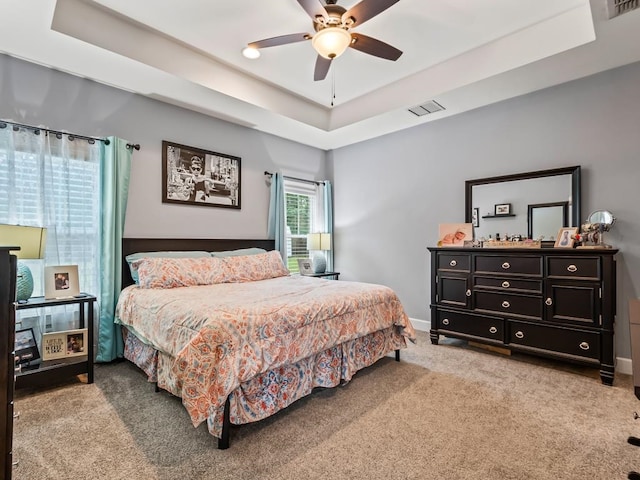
point(541, 203)
point(592, 232)
point(604, 217)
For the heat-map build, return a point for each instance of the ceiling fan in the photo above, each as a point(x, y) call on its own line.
point(332, 24)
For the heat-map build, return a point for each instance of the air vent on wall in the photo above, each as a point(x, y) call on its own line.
point(429, 107)
point(618, 7)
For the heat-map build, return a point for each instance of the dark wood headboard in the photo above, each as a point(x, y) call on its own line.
point(135, 245)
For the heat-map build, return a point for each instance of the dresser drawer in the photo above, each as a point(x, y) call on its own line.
point(469, 324)
point(509, 264)
point(508, 284)
point(454, 262)
point(509, 304)
point(571, 342)
point(586, 268)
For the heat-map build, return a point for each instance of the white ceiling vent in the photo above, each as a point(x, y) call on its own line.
point(429, 107)
point(618, 7)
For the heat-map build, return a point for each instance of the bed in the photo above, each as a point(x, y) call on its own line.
point(236, 337)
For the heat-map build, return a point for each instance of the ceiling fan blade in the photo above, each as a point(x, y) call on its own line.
point(374, 47)
point(322, 68)
point(313, 8)
point(366, 10)
point(281, 40)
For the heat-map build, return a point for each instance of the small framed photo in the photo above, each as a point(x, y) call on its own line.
point(61, 281)
point(68, 343)
point(502, 209)
point(26, 347)
point(305, 266)
point(475, 217)
point(454, 234)
point(566, 237)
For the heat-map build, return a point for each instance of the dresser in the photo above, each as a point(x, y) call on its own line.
point(552, 302)
point(7, 365)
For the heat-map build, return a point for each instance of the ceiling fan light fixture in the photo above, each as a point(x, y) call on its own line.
point(251, 53)
point(331, 42)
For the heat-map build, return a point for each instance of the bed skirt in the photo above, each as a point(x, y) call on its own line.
point(275, 389)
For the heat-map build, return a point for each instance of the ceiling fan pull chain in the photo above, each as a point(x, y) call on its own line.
point(333, 86)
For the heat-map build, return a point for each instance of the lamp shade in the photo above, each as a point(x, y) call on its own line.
point(331, 42)
point(319, 241)
point(31, 240)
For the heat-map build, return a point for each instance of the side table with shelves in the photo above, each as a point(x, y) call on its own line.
point(48, 372)
point(330, 275)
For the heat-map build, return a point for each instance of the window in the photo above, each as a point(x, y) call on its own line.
point(304, 215)
point(54, 182)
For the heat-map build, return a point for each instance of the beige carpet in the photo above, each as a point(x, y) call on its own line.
point(444, 412)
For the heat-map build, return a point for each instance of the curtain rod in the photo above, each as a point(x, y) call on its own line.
point(315, 182)
point(72, 136)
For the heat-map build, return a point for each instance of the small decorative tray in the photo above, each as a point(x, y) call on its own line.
point(510, 244)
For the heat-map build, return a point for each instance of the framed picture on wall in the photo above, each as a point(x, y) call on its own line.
point(193, 176)
point(475, 217)
point(502, 209)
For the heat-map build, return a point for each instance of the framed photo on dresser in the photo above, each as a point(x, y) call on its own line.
point(566, 237)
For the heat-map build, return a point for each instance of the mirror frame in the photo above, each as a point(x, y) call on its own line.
point(576, 214)
point(532, 207)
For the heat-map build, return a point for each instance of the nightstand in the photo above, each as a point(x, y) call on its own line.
point(331, 275)
point(65, 360)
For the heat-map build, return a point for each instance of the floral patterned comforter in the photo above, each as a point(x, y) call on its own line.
point(224, 335)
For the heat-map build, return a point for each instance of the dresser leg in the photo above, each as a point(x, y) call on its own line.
point(633, 476)
point(434, 337)
point(606, 374)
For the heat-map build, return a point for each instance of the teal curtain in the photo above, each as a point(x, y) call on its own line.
point(327, 196)
point(277, 218)
point(115, 171)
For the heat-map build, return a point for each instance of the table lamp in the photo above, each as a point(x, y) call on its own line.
point(31, 241)
point(319, 242)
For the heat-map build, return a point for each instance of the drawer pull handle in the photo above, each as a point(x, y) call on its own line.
point(445, 321)
point(506, 265)
point(493, 330)
point(505, 284)
point(468, 293)
point(453, 263)
point(572, 268)
point(505, 304)
point(519, 334)
point(548, 301)
point(584, 346)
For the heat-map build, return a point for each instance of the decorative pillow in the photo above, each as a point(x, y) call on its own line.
point(170, 254)
point(249, 268)
point(238, 252)
point(156, 272)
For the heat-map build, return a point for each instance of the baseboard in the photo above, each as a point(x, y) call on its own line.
point(422, 325)
point(623, 365)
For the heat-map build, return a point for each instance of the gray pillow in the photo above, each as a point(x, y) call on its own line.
point(239, 252)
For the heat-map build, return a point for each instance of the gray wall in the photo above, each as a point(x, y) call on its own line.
point(392, 192)
point(39, 96)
